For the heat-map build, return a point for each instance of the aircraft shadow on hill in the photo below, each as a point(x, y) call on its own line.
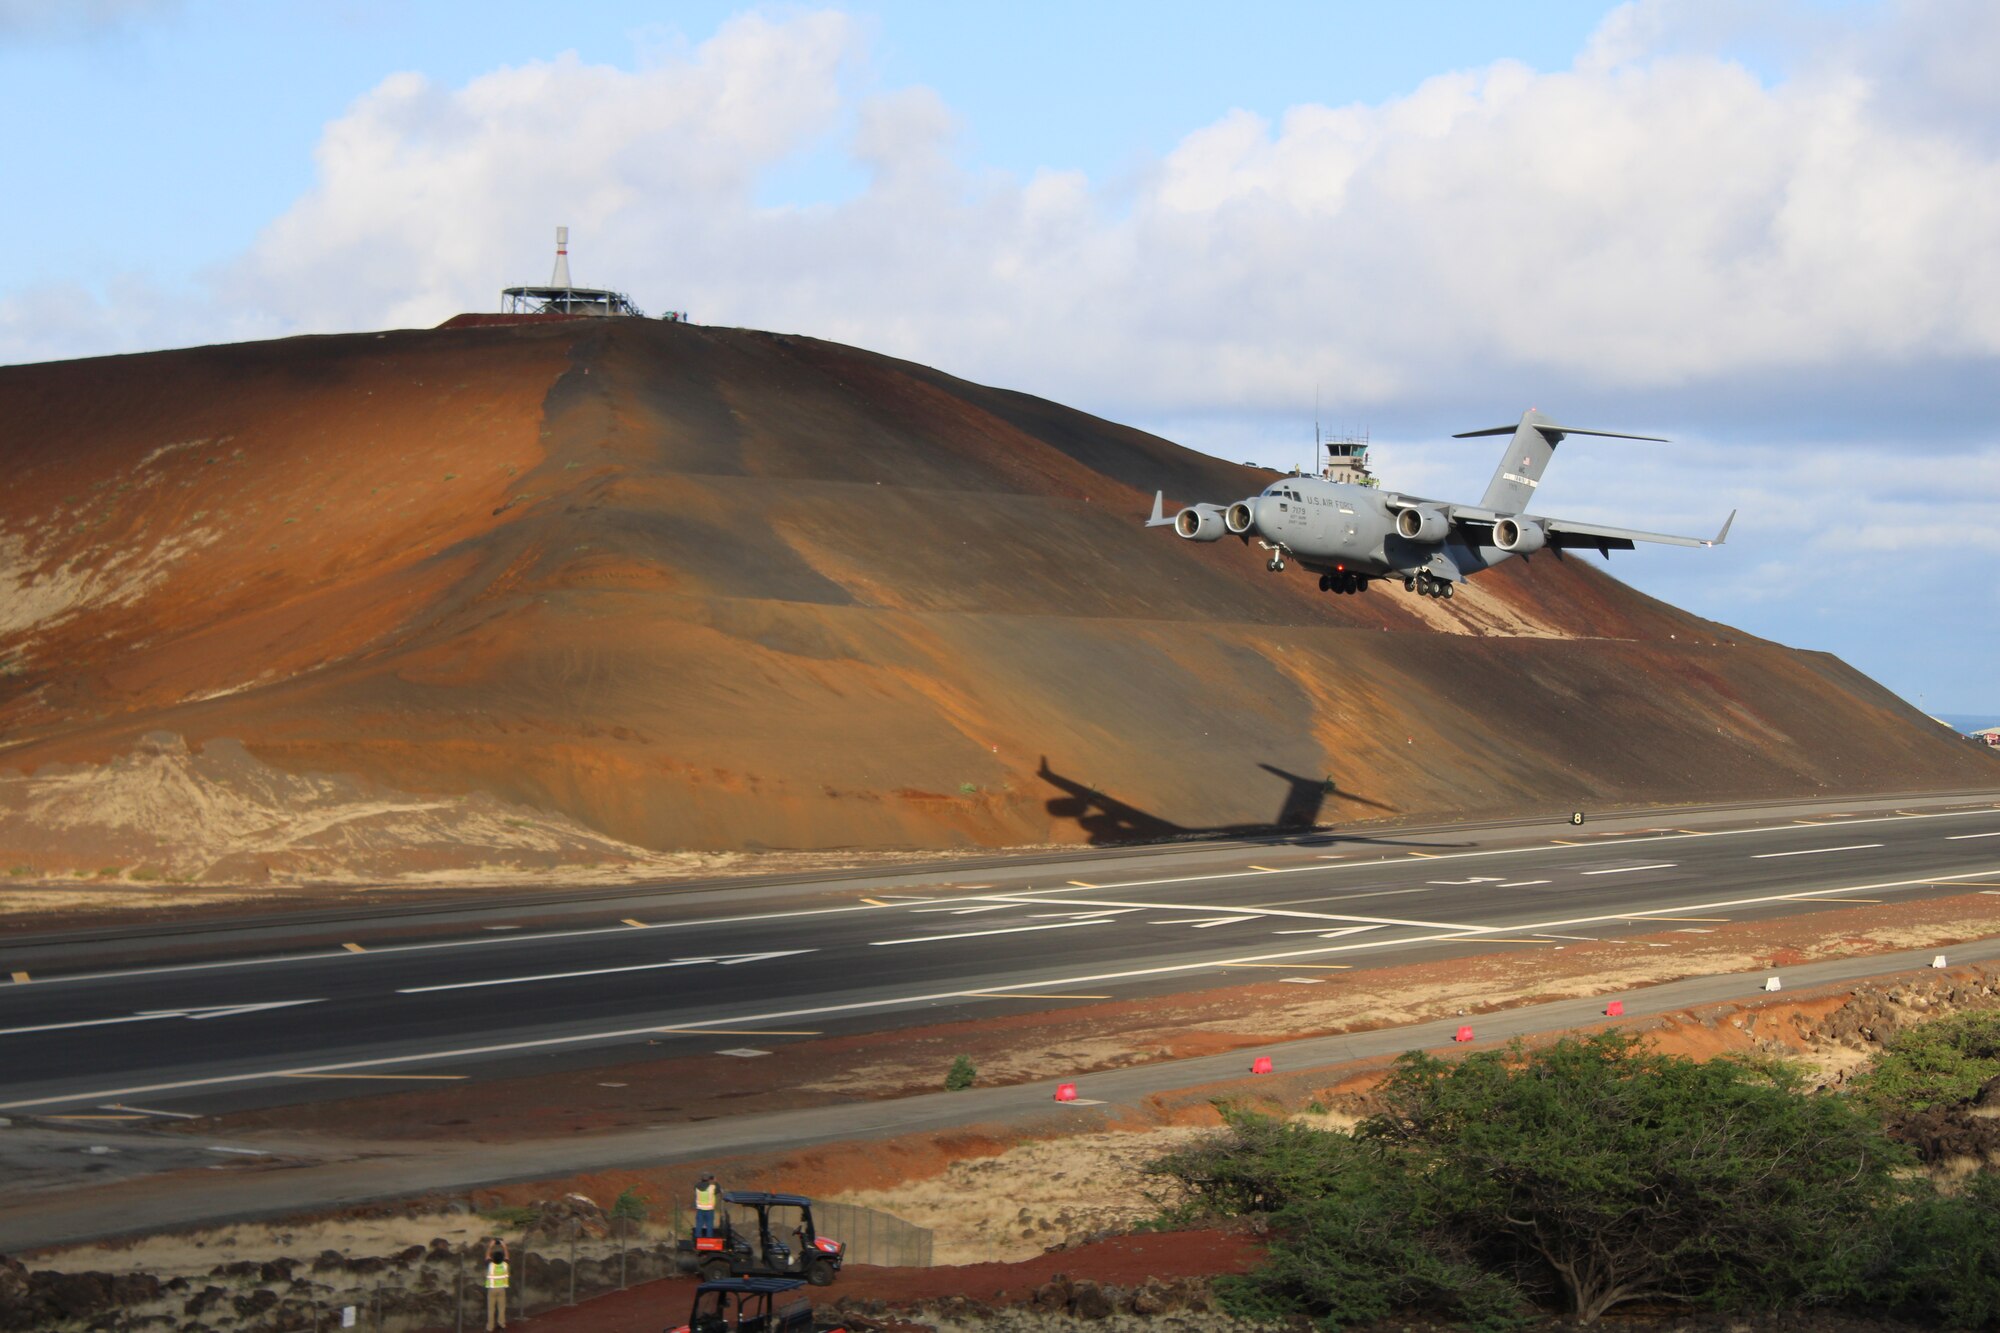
point(1106, 820)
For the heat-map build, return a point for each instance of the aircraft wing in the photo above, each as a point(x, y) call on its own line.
point(1569, 534)
point(1594, 536)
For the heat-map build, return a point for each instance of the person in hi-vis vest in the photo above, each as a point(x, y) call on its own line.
point(705, 1194)
point(496, 1283)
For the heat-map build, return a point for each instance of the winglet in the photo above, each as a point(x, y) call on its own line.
point(1159, 518)
point(1723, 535)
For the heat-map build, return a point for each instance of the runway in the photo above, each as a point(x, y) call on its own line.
point(256, 1018)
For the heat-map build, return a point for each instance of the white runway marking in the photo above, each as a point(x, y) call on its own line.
point(1816, 851)
point(154, 1015)
point(1961, 837)
point(1221, 910)
point(1004, 930)
point(962, 911)
point(897, 1001)
point(1626, 870)
point(1526, 883)
point(1206, 923)
point(725, 960)
point(1346, 897)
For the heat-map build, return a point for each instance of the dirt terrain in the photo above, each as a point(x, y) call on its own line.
point(496, 598)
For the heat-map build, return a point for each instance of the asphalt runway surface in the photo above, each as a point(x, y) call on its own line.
point(261, 1016)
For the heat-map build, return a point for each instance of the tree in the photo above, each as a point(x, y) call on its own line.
point(1614, 1173)
point(961, 1074)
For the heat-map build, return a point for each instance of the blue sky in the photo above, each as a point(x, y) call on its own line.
point(1765, 230)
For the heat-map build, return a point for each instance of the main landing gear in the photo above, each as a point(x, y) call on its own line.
point(1425, 585)
point(1343, 582)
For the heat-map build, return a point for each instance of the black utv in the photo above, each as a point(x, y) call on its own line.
point(763, 1235)
point(753, 1305)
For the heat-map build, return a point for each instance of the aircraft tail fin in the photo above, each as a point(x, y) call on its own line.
point(1159, 518)
point(1527, 457)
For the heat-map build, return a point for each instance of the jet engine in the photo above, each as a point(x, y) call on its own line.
point(1239, 516)
point(1519, 535)
point(1422, 525)
point(1199, 523)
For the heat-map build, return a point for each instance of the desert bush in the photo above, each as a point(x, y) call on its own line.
point(1595, 1171)
point(1944, 1261)
point(1943, 1062)
point(961, 1074)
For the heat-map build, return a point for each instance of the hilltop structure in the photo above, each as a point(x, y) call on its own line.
point(563, 297)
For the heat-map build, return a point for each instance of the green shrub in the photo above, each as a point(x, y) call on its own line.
point(631, 1205)
point(1945, 1264)
point(1943, 1062)
point(961, 1074)
point(1594, 1170)
point(509, 1217)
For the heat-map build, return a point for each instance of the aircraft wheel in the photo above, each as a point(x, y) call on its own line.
point(1447, 592)
point(1409, 585)
point(1322, 583)
point(820, 1273)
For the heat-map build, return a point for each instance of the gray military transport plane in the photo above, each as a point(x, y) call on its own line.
point(1351, 535)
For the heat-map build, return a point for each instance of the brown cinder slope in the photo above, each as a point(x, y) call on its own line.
point(716, 588)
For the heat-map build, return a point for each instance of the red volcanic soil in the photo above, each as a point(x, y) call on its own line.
point(719, 589)
point(1118, 1261)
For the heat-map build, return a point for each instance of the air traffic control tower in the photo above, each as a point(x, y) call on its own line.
point(562, 297)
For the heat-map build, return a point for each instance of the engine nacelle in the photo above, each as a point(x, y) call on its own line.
point(1422, 525)
point(1239, 516)
point(1520, 535)
point(1200, 523)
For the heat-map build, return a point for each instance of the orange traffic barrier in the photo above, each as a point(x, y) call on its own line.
point(1065, 1092)
point(1616, 1009)
point(1464, 1034)
point(1261, 1065)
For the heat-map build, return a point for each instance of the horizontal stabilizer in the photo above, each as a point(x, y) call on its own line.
point(1550, 428)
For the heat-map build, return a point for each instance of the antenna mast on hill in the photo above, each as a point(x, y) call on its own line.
point(564, 297)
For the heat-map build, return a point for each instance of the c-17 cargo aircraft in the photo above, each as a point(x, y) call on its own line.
point(1351, 535)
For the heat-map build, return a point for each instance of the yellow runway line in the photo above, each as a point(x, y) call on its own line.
point(353, 948)
point(1427, 856)
point(1266, 869)
point(421, 1078)
point(20, 978)
point(1296, 967)
point(1560, 843)
point(1809, 898)
point(1025, 995)
point(1079, 884)
point(636, 925)
point(1811, 823)
point(731, 1032)
point(875, 902)
point(1964, 883)
point(1665, 917)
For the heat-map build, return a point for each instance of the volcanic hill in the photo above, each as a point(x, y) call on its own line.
point(711, 588)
